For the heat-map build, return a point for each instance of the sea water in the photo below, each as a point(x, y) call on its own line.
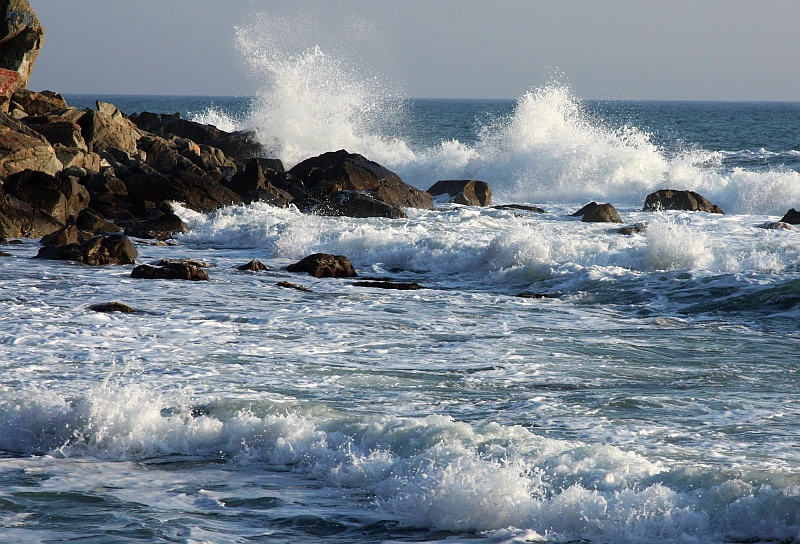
point(645, 391)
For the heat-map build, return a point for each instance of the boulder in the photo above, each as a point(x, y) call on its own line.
point(602, 213)
point(288, 285)
point(350, 204)
point(343, 171)
point(521, 207)
point(159, 228)
point(776, 225)
point(62, 237)
point(75, 156)
point(21, 38)
point(239, 146)
point(63, 133)
point(466, 192)
point(324, 265)
point(637, 228)
point(171, 271)
point(253, 266)
point(20, 151)
point(32, 103)
point(792, 217)
point(19, 220)
point(106, 128)
point(93, 221)
point(669, 199)
point(59, 198)
point(400, 286)
point(582, 211)
point(100, 250)
point(195, 191)
point(266, 180)
point(110, 307)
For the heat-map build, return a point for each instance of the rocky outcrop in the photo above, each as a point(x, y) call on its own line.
point(162, 227)
point(669, 199)
point(253, 266)
point(342, 171)
point(21, 151)
point(180, 270)
point(598, 213)
point(56, 197)
point(21, 38)
point(324, 265)
point(792, 217)
point(265, 180)
point(465, 192)
point(100, 250)
point(28, 103)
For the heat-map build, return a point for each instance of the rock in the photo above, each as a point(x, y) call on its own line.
point(324, 265)
point(40, 190)
point(21, 38)
point(193, 262)
point(239, 146)
point(100, 250)
point(63, 133)
point(669, 199)
point(466, 192)
point(197, 132)
point(196, 192)
point(388, 285)
point(638, 228)
point(19, 151)
point(45, 103)
point(92, 221)
point(162, 155)
point(342, 171)
point(76, 157)
point(106, 128)
point(19, 219)
point(776, 225)
point(590, 206)
point(350, 204)
point(792, 217)
point(601, 213)
point(265, 180)
point(110, 307)
point(253, 266)
point(536, 295)
point(62, 237)
point(160, 228)
point(287, 285)
point(172, 271)
point(521, 207)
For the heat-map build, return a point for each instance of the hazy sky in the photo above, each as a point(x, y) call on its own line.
point(626, 49)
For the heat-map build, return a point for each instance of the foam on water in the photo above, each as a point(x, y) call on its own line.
point(427, 472)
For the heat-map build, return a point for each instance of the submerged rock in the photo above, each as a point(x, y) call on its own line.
point(110, 307)
point(253, 266)
point(177, 270)
point(287, 285)
point(98, 251)
point(670, 199)
point(468, 192)
point(400, 286)
point(324, 265)
point(776, 225)
point(598, 213)
point(637, 228)
point(521, 207)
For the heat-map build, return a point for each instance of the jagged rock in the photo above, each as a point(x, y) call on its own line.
point(350, 204)
point(196, 192)
point(19, 219)
point(287, 285)
point(776, 225)
point(342, 171)
point(323, 265)
point(100, 250)
point(465, 192)
point(522, 207)
point(792, 217)
point(591, 205)
point(63, 133)
point(400, 286)
point(602, 213)
point(266, 180)
point(57, 198)
point(33, 103)
point(110, 307)
point(239, 146)
point(638, 228)
point(62, 237)
point(19, 151)
point(75, 156)
point(670, 199)
point(171, 271)
point(21, 38)
point(106, 128)
point(253, 266)
point(92, 221)
point(160, 228)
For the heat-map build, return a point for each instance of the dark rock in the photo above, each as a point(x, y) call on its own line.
point(602, 213)
point(521, 207)
point(62, 237)
point(288, 285)
point(107, 128)
point(582, 211)
point(669, 199)
point(350, 204)
point(239, 146)
point(193, 262)
point(92, 221)
point(21, 38)
point(536, 295)
point(110, 307)
point(776, 225)
point(792, 217)
point(100, 250)
point(265, 180)
point(638, 228)
point(196, 192)
point(172, 271)
point(197, 132)
point(160, 228)
point(466, 192)
point(324, 265)
point(253, 266)
point(342, 171)
point(400, 286)
point(33, 103)
point(19, 219)
point(62, 133)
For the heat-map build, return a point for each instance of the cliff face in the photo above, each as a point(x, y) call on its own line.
point(21, 38)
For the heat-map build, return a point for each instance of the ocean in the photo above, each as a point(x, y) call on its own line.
point(646, 391)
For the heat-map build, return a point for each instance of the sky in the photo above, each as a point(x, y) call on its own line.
point(602, 49)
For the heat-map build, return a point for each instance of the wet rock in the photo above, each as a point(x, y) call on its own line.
point(253, 266)
point(637, 228)
point(92, 221)
point(111, 307)
point(172, 271)
point(536, 295)
point(197, 192)
point(669, 199)
point(239, 146)
point(521, 207)
point(323, 265)
point(160, 228)
point(100, 250)
point(601, 213)
point(287, 285)
point(792, 217)
point(21, 38)
point(776, 225)
point(193, 262)
point(19, 219)
point(350, 204)
point(467, 192)
point(266, 180)
point(590, 206)
point(62, 237)
point(400, 286)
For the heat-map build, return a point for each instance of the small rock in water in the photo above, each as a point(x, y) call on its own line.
point(193, 262)
point(792, 217)
point(522, 207)
point(775, 225)
point(324, 265)
point(253, 266)
point(112, 307)
point(536, 295)
point(400, 286)
point(601, 213)
point(171, 271)
point(288, 285)
point(638, 228)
